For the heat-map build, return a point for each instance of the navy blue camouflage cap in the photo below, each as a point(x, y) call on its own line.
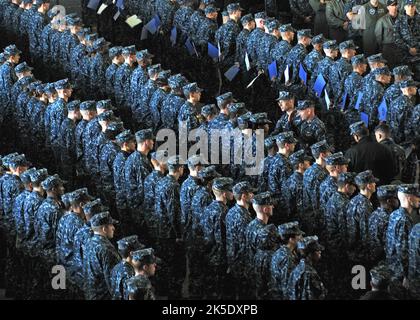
point(7, 158)
point(289, 229)
point(2, 58)
point(243, 187)
point(402, 71)
point(93, 207)
point(74, 22)
point(129, 50)
point(115, 51)
point(195, 160)
point(381, 274)
point(104, 105)
point(145, 256)
point(318, 39)
point(115, 128)
point(91, 37)
point(177, 81)
point(79, 195)
point(25, 177)
point(336, 159)
point(163, 76)
point(299, 157)
point(106, 116)
point(39, 2)
point(246, 19)
point(131, 243)
point(357, 127)
point(272, 25)
point(409, 2)
point(237, 107)
point(52, 182)
point(382, 71)
point(160, 156)
point(40, 89)
point(65, 199)
point(174, 162)
point(348, 44)
point(102, 219)
point(260, 118)
point(261, 15)
point(287, 28)
point(26, 1)
point(225, 14)
point(69, 16)
point(208, 2)
point(387, 191)
point(270, 142)
point(89, 105)
point(18, 161)
point(376, 58)
point(286, 137)
point(73, 105)
point(143, 135)
point(391, 2)
point(209, 109)
point(223, 184)
point(358, 59)
point(11, 50)
point(320, 147)
point(410, 83)
point(154, 69)
point(100, 43)
point(285, 95)
point(310, 244)
point(365, 177)
point(39, 175)
point(137, 284)
point(244, 121)
point(210, 9)
point(125, 136)
point(227, 97)
point(191, 88)
point(62, 84)
point(232, 7)
point(144, 54)
point(304, 33)
point(32, 85)
point(52, 13)
point(23, 67)
point(82, 32)
point(412, 189)
point(263, 199)
point(50, 88)
point(208, 173)
point(330, 45)
point(346, 177)
point(304, 104)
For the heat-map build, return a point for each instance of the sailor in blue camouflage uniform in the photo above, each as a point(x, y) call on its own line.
point(115, 55)
point(294, 184)
point(280, 170)
point(342, 68)
point(173, 102)
point(8, 76)
point(316, 55)
point(189, 113)
point(137, 168)
point(289, 120)
point(38, 20)
point(267, 43)
point(68, 41)
point(208, 112)
point(378, 221)
point(122, 80)
point(401, 221)
point(168, 215)
point(79, 60)
point(282, 48)
point(68, 225)
point(353, 84)
point(237, 219)
point(311, 128)
point(207, 27)
point(357, 218)
point(124, 270)
point(139, 76)
point(412, 129)
point(127, 143)
point(158, 160)
point(271, 150)
point(196, 21)
point(399, 112)
point(165, 9)
point(200, 200)
point(24, 76)
point(285, 259)
point(248, 24)
point(257, 241)
point(101, 257)
point(400, 74)
point(157, 98)
point(255, 36)
point(414, 261)
point(182, 18)
point(304, 282)
point(97, 68)
point(375, 61)
point(297, 54)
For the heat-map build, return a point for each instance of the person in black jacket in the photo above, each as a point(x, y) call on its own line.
point(379, 282)
point(368, 154)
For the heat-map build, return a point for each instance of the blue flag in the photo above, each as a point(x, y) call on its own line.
point(120, 4)
point(365, 118)
point(343, 102)
point(272, 70)
point(232, 72)
point(303, 75)
point(319, 84)
point(173, 36)
point(189, 47)
point(212, 51)
point(359, 100)
point(382, 110)
point(157, 21)
point(151, 26)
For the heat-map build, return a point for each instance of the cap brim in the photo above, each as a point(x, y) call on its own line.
point(114, 222)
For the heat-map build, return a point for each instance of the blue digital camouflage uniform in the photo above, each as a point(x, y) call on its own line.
point(326, 188)
point(57, 112)
point(155, 105)
point(414, 260)
point(99, 259)
point(196, 21)
point(311, 132)
point(282, 264)
point(90, 136)
point(18, 215)
point(121, 272)
point(31, 206)
point(263, 178)
point(412, 128)
point(8, 77)
point(188, 189)
point(136, 80)
point(141, 107)
point(324, 68)
point(335, 222)
point(110, 78)
point(166, 10)
point(11, 187)
point(352, 85)
point(67, 138)
point(123, 84)
point(80, 240)
point(201, 199)
point(279, 53)
point(148, 206)
point(378, 224)
point(338, 73)
point(206, 32)
point(392, 93)
point(252, 44)
point(294, 58)
point(396, 248)
point(119, 180)
point(189, 114)
point(170, 109)
point(265, 45)
point(305, 283)
point(38, 22)
point(68, 226)
point(182, 22)
point(312, 59)
point(372, 97)
point(97, 68)
point(407, 32)
point(294, 195)
point(241, 42)
point(67, 43)
point(107, 154)
point(397, 116)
